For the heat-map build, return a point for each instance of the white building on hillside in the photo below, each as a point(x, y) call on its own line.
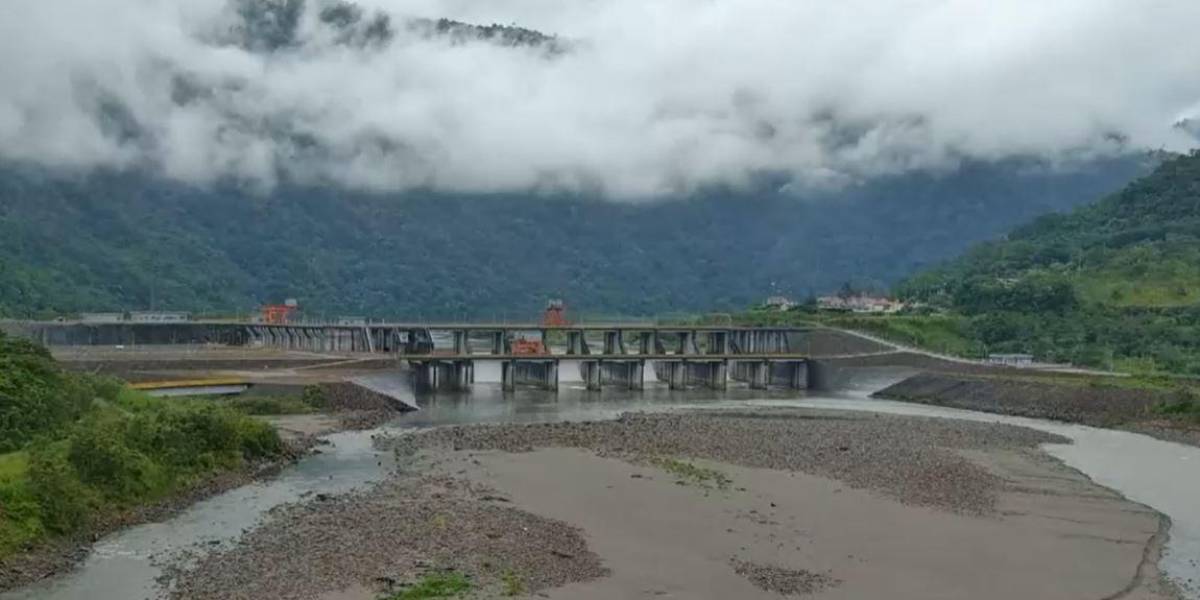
point(860, 303)
point(780, 303)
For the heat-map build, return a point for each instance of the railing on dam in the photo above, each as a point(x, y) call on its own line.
point(407, 338)
point(444, 355)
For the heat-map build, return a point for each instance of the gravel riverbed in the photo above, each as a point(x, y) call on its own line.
point(914, 460)
point(425, 519)
point(381, 539)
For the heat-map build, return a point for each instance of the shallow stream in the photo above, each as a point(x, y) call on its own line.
point(123, 566)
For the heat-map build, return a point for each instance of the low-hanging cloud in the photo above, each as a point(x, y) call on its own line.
point(633, 98)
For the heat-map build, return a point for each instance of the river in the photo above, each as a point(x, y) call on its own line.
point(124, 566)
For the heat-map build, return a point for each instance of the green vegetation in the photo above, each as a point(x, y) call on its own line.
point(265, 405)
point(1186, 404)
point(21, 519)
point(36, 397)
point(514, 584)
point(445, 584)
point(945, 333)
point(112, 241)
point(1115, 284)
point(688, 472)
point(92, 448)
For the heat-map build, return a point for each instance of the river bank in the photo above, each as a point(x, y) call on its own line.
point(60, 555)
point(741, 503)
point(1107, 407)
point(301, 435)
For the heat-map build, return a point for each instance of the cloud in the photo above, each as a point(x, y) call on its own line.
point(635, 98)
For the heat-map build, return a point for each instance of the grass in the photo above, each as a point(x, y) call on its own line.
point(13, 466)
point(19, 520)
point(260, 405)
point(946, 334)
point(691, 473)
point(514, 584)
point(1185, 404)
point(1151, 275)
point(446, 584)
point(1147, 381)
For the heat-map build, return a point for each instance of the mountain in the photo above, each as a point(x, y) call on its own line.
point(1114, 282)
point(109, 240)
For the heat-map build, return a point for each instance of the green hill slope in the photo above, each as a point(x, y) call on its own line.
point(110, 241)
point(1112, 283)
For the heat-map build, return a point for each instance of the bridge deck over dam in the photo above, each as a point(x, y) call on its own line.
point(443, 355)
point(405, 338)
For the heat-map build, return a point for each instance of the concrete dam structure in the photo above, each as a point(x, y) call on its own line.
point(445, 356)
point(622, 356)
point(625, 371)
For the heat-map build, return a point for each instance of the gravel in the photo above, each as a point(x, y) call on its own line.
point(914, 460)
point(396, 532)
point(787, 582)
point(418, 522)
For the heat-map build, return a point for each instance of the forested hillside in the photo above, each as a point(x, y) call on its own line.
point(1116, 282)
point(104, 241)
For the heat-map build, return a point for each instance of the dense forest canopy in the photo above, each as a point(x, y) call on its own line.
point(126, 241)
point(1116, 281)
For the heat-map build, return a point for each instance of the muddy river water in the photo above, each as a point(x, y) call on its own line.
point(125, 565)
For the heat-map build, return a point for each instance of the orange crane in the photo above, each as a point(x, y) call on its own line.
point(556, 314)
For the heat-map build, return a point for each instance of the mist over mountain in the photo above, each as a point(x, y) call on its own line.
point(461, 156)
point(613, 98)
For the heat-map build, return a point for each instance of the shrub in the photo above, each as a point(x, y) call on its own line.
point(108, 388)
point(99, 450)
point(36, 397)
point(192, 438)
point(314, 396)
point(64, 502)
point(258, 439)
point(20, 514)
point(1184, 402)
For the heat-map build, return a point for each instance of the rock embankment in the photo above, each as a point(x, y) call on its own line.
point(358, 407)
point(1073, 402)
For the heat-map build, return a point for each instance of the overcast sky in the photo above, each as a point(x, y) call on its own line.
point(653, 97)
